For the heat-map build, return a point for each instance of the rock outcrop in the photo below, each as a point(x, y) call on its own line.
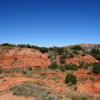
point(87, 59)
point(23, 57)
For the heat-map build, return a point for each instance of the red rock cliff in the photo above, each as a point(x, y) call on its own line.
point(24, 57)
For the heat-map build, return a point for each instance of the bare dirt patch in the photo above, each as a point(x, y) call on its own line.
point(10, 96)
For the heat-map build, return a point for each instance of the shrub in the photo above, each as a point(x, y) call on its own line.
point(1, 70)
point(62, 68)
point(84, 65)
point(24, 45)
point(71, 55)
point(7, 44)
point(53, 97)
point(34, 47)
point(81, 63)
point(12, 70)
point(43, 49)
point(76, 47)
point(95, 53)
point(28, 89)
point(63, 57)
point(79, 96)
point(75, 51)
point(53, 65)
point(70, 79)
point(60, 51)
point(96, 68)
point(71, 67)
point(27, 73)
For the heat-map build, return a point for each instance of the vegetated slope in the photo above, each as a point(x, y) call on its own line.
point(40, 57)
point(68, 72)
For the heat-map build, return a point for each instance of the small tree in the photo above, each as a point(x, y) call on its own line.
point(62, 68)
point(95, 53)
point(63, 57)
point(96, 68)
point(53, 65)
point(70, 79)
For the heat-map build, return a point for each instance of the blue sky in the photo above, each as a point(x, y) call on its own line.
point(50, 22)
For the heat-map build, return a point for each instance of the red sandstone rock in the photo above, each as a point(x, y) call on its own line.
point(23, 58)
point(86, 59)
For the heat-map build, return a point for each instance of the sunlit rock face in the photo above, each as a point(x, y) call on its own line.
point(23, 57)
point(87, 59)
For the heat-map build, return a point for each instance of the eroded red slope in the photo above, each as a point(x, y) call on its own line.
point(23, 58)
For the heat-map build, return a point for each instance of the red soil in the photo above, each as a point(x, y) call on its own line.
point(82, 73)
point(86, 59)
point(90, 87)
point(10, 82)
point(10, 96)
point(92, 84)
